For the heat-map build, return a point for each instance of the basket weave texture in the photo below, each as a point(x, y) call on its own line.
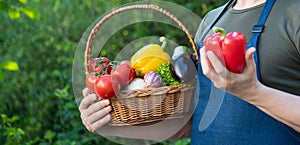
point(136, 107)
point(151, 105)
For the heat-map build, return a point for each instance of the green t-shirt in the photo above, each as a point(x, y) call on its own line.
point(279, 44)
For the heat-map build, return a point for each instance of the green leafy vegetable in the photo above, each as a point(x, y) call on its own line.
point(165, 73)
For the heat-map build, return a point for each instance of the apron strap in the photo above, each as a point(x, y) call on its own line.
point(201, 42)
point(257, 30)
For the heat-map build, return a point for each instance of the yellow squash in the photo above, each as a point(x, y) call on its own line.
point(149, 58)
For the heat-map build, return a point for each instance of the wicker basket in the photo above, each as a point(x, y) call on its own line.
point(150, 105)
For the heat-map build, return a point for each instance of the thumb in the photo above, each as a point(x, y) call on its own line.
point(249, 57)
point(85, 92)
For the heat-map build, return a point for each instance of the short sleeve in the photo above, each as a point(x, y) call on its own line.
point(294, 11)
point(203, 25)
point(297, 39)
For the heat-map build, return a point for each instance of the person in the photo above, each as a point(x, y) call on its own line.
point(254, 111)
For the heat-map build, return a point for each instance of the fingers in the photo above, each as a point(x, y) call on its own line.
point(85, 92)
point(94, 114)
point(204, 62)
point(97, 119)
point(249, 53)
point(217, 65)
point(95, 107)
point(98, 124)
point(249, 57)
point(213, 68)
point(99, 115)
point(87, 101)
point(207, 70)
point(88, 127)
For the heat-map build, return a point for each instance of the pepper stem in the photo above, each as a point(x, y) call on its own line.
point(164, 42)
point(221, 30)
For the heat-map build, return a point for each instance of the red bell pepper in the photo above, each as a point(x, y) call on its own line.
point(230, 48)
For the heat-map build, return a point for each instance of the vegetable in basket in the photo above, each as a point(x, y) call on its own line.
point(97, 67)
point(184, 67)
point(152, 80)
point(136, 84)
point(104, 81)
point(90, 80)
point(150, 57)
point(178, 51)
point(100, 65)
point(106, 86)
point(123, 73)
point(165, 71)
point(231, 47)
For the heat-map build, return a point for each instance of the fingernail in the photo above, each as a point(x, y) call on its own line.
point(94, 97)
point(106, 102)
point(109, 117)
point(108, 108)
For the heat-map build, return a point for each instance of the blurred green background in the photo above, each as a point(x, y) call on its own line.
point(38, 40)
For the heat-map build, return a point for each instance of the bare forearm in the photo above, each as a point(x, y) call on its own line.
point(185, 132)
point(280, 105)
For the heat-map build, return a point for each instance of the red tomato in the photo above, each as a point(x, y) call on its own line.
point(126, 62)
point(106, 87)
point(99, 64)
point(124, 73)
point(90, 81)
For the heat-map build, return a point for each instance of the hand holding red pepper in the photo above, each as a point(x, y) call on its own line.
point(239, 75)
point(230, 49)
point(242, 85)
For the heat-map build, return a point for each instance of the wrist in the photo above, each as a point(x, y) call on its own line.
point(257, 97)
point(253, 95)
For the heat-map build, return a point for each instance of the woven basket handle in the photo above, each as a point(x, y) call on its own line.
point(127, 8)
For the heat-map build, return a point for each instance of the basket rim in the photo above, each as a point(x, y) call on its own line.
point(128, 94)
point(92, 34)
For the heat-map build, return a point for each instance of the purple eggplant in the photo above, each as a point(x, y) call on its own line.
point(184, 67)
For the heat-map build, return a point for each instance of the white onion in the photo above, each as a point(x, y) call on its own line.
point(136, 83)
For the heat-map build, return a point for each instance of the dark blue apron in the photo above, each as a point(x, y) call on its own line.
point(239, 122)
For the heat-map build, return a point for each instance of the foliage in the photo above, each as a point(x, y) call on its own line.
point(14, 9)
point(8, 65)
point(37, 103)
point(13, 134)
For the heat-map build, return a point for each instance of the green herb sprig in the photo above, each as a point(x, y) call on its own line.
point(165, 73)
